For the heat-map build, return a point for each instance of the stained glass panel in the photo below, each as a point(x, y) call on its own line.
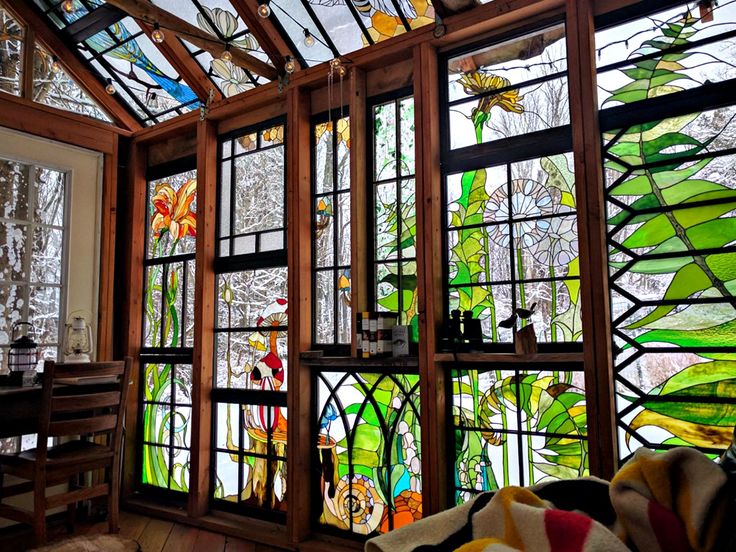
point(369, 449)
point(166, 425)
point(671, 228)
point(677, 49)
point(253, 192)
point(517, 428)
point(515, 223)
point(53, 86)
point(11, 54)
point(332, 233)
point(395, 210)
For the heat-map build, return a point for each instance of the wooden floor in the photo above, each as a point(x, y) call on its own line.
point(154, 535)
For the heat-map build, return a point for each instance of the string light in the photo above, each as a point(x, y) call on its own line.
point(226, 55)
point(157, 35)
point(290, 65)
point(55, 65)
point(335, 63)
point(308, 38)
point(110, 88)
point(68, 6)
point(342, 71)
point(264, 10)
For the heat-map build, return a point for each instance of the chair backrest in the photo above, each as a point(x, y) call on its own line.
point(73, 405)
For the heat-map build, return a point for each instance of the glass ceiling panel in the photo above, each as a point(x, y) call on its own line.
point(350, 25)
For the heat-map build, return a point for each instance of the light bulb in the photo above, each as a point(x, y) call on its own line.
point(308, 39)
point(157, 35)
point(289, 66)
point(68, 6)
point(264, 10)
point(110, 88)
point(226, 55)
point(335, 63)
point(55, 65)
point(342, 70)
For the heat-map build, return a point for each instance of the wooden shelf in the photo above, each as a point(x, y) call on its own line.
point(351, 362)
point(508, 358)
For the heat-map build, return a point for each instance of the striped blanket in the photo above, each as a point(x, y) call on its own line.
point(671, 502)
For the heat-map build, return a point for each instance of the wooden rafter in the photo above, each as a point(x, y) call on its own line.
point(264, 31)
point(178, 56)
point(202, 39)
point(24, 11)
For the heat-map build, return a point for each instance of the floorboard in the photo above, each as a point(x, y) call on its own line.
point(153, 538)
point(181, 539)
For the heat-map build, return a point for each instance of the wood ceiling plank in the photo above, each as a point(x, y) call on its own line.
point(180, 59)
point(191, 33)
point(72, 64)
point(265, 32)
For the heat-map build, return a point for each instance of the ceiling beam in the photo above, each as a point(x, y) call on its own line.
point(191, 33)
point(92, 23)
point(178, 56)
point(264, 31)
point(72, 64)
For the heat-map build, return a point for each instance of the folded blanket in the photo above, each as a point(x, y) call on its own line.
point(671, 502)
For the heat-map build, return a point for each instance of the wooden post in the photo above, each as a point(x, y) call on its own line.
point(298, 197)
point(133, 315)
point(107, 254)
point(429, 269)
point(204, 320)
point(359, 218)
point(594, 295)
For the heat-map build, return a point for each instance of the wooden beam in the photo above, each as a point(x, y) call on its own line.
point(132, 316)
point(77, 69)
point(435, 456)
point(191, 33)
point(298, 196)
point(178, 56)
point(29, 41)
point(105, 309)
point(63, 126)
point(204, 320)
point(359, 219)
point(264, 31)
point(594, 294)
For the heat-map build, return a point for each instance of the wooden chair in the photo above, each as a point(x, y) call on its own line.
point(71, 412)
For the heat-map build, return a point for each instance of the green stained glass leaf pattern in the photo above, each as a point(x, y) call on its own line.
point(672, 226)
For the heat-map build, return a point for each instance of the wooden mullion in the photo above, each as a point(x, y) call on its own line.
point(29, 40)
point(204, 320)
point(299, 432)
point(133, 314)
point(264, 31)
point(107, 254)
point(359, 218)
point(429, 272)
point(72, 64)
point(180, 59)
point(594, 292)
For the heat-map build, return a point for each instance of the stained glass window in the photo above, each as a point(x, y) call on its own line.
point(511, 225)
point(369, 449)
point(220, 19)
point(11, 53)
point(53, 86)
point(168, 323)
point(252, 323)
point(342, 27)
point(122, 52)
point(511, 247)
point(32, 252)
point(517, 427)
point(331, 227)
point(669, 129)
point(395, 267)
